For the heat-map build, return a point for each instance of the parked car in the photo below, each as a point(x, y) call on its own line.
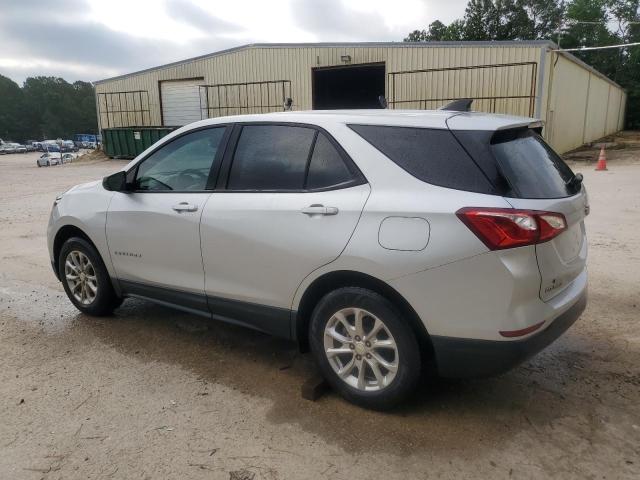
point(49, 158)
point(9, 147)
point(382, 240)
point(68, 146)
point(52, 147)
point(67, 158)
point(19, 148)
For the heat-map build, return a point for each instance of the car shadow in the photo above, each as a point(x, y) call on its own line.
point(458, 415)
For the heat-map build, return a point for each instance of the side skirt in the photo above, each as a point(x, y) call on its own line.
point(272, 320)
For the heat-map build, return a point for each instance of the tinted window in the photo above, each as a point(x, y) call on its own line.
point(433, 156)
point(270, 157)
point(327, 168)
point(530, 166)
point(183, 164)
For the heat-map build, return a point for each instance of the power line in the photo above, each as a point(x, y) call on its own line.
point(582, 49)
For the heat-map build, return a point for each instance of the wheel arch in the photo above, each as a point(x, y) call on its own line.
point(348, 278)
point(63, 234)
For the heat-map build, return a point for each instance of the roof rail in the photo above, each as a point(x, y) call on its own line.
point(460, 105)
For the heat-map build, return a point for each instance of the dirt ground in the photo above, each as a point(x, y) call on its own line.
point(153, 393)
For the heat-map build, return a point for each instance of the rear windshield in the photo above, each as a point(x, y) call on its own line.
point(531, 167)
point(520, 163)
point(431, 155)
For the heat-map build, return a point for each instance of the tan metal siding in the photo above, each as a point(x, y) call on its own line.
point(296, 63)
point(596, 110)
point(565, 119)
point(575, 103)
point(582, 105)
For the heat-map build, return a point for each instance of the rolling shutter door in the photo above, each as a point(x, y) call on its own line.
point(180, 102)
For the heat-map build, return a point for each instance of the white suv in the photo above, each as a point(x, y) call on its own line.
point(386, 241)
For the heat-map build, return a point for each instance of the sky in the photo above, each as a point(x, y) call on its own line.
point(95, 39)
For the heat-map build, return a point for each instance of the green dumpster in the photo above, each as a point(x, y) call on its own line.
point(128, 142)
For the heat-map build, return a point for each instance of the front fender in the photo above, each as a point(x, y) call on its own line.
point(84, 207)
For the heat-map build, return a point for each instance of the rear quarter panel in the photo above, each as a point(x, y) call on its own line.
point(396, 193)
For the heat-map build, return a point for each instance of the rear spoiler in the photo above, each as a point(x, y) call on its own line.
point(464, 105)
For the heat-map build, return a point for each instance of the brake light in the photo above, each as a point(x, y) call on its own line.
point(501, 228)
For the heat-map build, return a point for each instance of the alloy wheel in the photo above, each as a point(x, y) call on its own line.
point(361, 349)
point(81, 277)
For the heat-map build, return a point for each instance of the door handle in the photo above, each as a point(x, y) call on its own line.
point(185, 207)
point(317, 209)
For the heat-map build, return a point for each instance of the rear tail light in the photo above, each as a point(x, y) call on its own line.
point(501, 228)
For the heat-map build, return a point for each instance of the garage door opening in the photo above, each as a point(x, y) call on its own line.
point(180, 101)
point(351, 86)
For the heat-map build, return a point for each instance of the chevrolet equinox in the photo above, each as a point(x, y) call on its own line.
point(386, 242)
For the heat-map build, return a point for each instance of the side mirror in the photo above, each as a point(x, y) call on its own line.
point(116, 182)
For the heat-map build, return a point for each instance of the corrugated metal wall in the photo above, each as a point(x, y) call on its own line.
point(582, 106)
point(521, 81)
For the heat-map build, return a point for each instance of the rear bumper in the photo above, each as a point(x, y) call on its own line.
point(469, 358)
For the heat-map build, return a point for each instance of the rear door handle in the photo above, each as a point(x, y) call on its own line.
point(185, 207)
point(317, 209)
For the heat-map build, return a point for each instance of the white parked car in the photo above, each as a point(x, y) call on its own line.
point(49, 158)
point(9, 148)
point(67, 158)
point(383, 240)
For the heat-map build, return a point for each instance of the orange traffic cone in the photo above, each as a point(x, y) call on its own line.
point(602, 161)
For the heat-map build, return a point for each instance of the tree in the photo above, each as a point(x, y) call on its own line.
point(480, 20)
point(438, 32)
point(46, 107)
point(586, 24)
point(11, 106)
point(545, 16)
point(574, 23)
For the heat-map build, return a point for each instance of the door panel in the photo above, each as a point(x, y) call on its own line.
point(151, 242)
point(258, 247)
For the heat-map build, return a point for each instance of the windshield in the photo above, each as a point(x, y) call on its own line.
point(531, 167)
point(519, 163)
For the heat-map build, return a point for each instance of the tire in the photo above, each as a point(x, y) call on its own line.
point(379, 391)
point(48, 164)
point(87, 265)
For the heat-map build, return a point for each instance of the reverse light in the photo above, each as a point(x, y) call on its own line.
point(501, 228)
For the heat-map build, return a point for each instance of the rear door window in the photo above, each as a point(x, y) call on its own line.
point(431, 155)
point(271, 157)
point(327, 167)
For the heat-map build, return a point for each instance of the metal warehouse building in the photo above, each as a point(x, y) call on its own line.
point(530, 78)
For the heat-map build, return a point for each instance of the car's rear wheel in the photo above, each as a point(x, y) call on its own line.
point(85, 278)
point(365, 349)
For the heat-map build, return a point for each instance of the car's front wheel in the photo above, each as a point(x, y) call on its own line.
point(85, 278)
point(365, 349)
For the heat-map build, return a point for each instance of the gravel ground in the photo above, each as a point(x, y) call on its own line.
point(153, 393)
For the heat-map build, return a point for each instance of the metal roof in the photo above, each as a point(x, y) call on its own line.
point(451, 44)
point(495, 43)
